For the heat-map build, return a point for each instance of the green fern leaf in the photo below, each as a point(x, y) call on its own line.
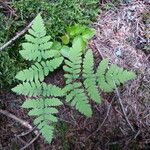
point(37, 46)
point(52, 90)
point(101, 71)
point(108, 78)
point(38, 71)
point(74, 90)
point(28, 89)
point(38, 103)
point(47, 132)
point(90, 79)
point(37, 88)
point(41, 108)
point(39, 49)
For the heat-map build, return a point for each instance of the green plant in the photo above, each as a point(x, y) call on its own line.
point(58, 14)
point(107, 78)
point(10, 63)
point(82, 82)
point(78, 31)
point(38, 49)
point(7, 70)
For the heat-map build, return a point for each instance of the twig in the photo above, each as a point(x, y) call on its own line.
point(20, 139)
point(123, 110)
point(16, 37)
point(108, 111)
point(26, 133)
point(31, 142)
point(22, 122)
point(100, 125)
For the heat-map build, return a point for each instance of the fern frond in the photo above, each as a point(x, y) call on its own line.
point(36, 88)
point(108, 78)
point(89, 77)
point(39, 70)
point(37, 46)
point(47, 57)
point(74, 90)
point(45, 112)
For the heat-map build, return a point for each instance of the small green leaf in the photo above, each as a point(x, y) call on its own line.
point(65, 51)
point(56, 46)
point(65, 39)
point(76, 30)
point(88, 33)
point(79, 43)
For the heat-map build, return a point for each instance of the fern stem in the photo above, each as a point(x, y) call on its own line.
point(122, 108)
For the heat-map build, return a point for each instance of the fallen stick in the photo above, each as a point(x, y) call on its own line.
point(22, 122)
point(31, 142)
point(122, 108)
point(16, 37)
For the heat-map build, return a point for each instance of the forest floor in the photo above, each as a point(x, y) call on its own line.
point(123, 33)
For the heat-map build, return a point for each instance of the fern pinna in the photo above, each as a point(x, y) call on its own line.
point(43, 97)
point(74, 89)
point(104, 78)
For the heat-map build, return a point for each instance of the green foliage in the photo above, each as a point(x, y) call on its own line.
point(74, 34)
point(89, 76)
point(107, 78)
point(80, 31)
point(82, 80)
point(38, 50)
point(74, 90)
point(7, 70)
point(10, 62)
point(58, 15)
point(37, 88)
point(45, 112)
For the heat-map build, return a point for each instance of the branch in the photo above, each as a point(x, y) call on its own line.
point(16, 37)
point(26, 133)
point(31, 142)
point(122, 108)
point(22, 122)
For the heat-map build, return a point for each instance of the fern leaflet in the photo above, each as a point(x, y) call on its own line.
point(108, 78)
point(39, 70)
point(89, 77)
point(37, 46)
point(37, 88)
point(45, 112)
